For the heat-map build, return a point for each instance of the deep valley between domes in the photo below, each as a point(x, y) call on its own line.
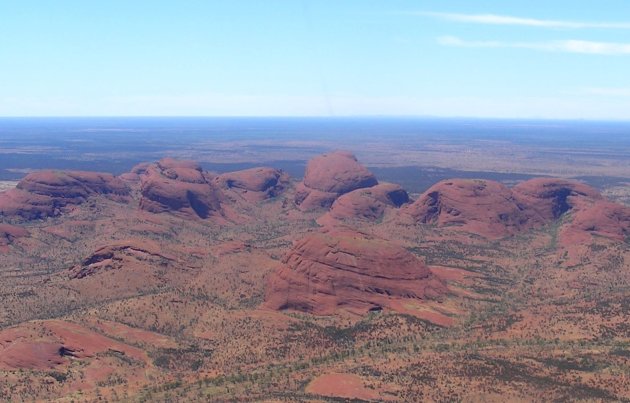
point(173, 283)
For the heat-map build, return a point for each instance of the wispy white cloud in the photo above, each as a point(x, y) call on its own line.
point(566, 46)
point(494, 19)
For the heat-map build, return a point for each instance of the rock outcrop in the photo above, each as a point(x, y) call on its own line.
point(482, 207)
point(328, 176)
point(254, 184)
point(133, 175)
point(47, 193)
point(600, 218)
point(180, 187)
point(492, 210)
point(8, 233)
point(546, 199)
point(44, 345)
point(368, 203)
point(128, 254)
point(343, 270)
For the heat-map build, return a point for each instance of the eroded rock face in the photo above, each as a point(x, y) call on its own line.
point(133, 176)
point(123, 254)
point(482, 207)
point(337, 172)
point(128, 267)
point(256, 183)
point(8, 233)
point(72, 184)
point(46, 193)
point(330, 175)
point(547, 199)
point(49, 344)
point(309, 199)
point(24, 354)
point(328, 271)
point(490, 209)
point(180, 187)
point(600, 218)
point(369, 203)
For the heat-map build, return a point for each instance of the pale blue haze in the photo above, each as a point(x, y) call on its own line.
point(549, 59)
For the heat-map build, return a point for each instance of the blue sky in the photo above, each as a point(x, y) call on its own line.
point(535, 59)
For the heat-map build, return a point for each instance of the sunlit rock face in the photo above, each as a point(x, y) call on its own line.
point(330, 175)
point(47, 193)
point(324, 272)
point(180, 187)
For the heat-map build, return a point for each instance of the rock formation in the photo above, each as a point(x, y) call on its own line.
point(254, 184)
point(45, 345)
point(327, 271)
point(482, 207)
point(46, 193)
point(546, 199)
point(181, 187)
point(492, 210)
point(8, 233)
point(330, 175)
point(600, 218)
point(368, 203)
point(123, 254)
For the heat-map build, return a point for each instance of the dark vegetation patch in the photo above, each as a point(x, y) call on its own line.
point(584, 364)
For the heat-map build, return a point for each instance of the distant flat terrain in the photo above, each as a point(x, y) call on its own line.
point(412, 152)
point(620, 193)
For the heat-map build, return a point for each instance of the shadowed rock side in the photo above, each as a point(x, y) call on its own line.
point(546, 199)
point(369, 203)
point(330, 175)
point(589, 213)
point(328, 271)
point(46, 193)
point(254, 184)
point(180, 187)
point(8, 233)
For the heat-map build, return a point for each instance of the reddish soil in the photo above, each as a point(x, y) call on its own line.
point(170, 283)
point(347, 386)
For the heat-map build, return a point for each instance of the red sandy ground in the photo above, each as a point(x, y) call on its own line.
point(347, 386)
point(176, 307)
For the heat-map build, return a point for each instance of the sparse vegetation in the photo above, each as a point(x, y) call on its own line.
point(526, 317)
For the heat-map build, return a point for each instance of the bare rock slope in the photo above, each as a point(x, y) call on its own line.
point(327, 271)
point(328, 176)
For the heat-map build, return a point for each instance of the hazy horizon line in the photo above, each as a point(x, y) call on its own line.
point(333, 117)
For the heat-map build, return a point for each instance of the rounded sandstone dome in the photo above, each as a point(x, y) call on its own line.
point(337, 172)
